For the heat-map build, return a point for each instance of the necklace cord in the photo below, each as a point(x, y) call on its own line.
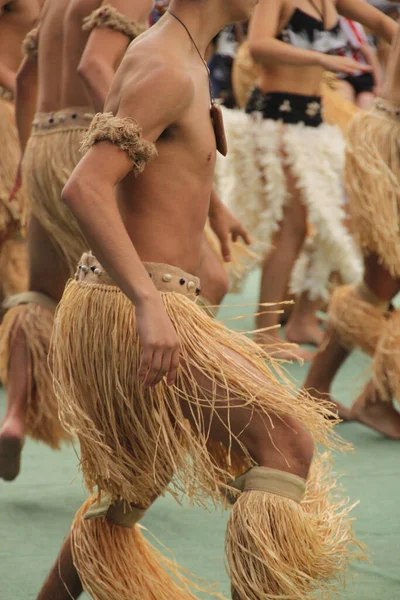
point(198, 52)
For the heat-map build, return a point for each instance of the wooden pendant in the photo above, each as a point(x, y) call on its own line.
point(219, 129)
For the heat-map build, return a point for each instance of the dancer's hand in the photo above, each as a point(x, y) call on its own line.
point(342, 64)
point(227, 228)
point(158, 341)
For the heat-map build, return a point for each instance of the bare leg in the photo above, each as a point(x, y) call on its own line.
point(303, 326)
point(63, 582)
point(213, 277)
point(280, 443)
point(376, 413)
point(277, 269)
point(333, 354)
point(47, 276)
point(365, 100)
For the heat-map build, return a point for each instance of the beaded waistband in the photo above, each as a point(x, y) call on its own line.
point(66, 119)
point(166, 278)
point(387, 107)
point(6, 94)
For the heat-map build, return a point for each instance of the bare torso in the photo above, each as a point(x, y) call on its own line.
point(296, 79)
point(165, 209)
point(62, 42)
point(17, 17)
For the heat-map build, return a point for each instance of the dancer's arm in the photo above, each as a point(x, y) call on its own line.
point(26, 99)
point(268, 19)
point(373, 61)
point(105, 49)
point(90, 195)
point(369, 16)
point(227, 228)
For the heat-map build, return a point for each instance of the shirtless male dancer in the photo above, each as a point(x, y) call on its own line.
point(362, 316)
point(80, 45)
point(17, 17)
point(154, 388)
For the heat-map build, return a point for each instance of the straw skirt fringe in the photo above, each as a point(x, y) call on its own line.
point(277, 548)
point(133, 440)
point(35, 322)
point(373, 185)
point(117, 563)
point(253, 180)
point(9, 158)
point(48, 163)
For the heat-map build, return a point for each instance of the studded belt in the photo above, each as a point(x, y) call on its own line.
point(384, 106)
point(66, 119)
point(165, 277)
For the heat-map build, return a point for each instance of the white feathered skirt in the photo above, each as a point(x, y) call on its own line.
point(252, 182)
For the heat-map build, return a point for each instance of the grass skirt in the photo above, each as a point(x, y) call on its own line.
point(48, 163)
point(133, 440)
point(277, 548)
point(373, 184)
point(36, 323)
point(9, 158)
point(253, 180)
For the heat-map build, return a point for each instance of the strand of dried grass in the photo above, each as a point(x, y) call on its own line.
point(373, 184)
point(117, 563)
point(276, 548)
point(9, 158)
point(42, 422)
point(357, 322)
point(48, 163)
point(132, 439)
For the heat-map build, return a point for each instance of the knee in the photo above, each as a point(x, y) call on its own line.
point(289, 446)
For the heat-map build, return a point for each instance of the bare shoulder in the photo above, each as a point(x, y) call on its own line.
point(151, 76)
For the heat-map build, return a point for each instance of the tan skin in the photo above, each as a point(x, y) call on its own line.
point(368, 408)
point(17, 17)
point(59, 84)
point(289, 69)
point(140, 220)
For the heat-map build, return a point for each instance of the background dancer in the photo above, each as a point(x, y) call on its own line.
point(284, 172)
point(17, 17)
point(86, 42)
point(361, 316)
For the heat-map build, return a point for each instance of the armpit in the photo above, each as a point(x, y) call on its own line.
point(30, 45)
point(125, 133)
point(110, 18)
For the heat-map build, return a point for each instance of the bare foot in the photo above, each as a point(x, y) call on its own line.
point(307, 333)
point(337, 408)
point(282, 350)
point(11, 442)
point(376, 413)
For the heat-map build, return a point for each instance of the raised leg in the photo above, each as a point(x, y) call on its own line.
point(47, 276)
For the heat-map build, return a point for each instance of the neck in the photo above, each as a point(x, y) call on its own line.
point(203, 19)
